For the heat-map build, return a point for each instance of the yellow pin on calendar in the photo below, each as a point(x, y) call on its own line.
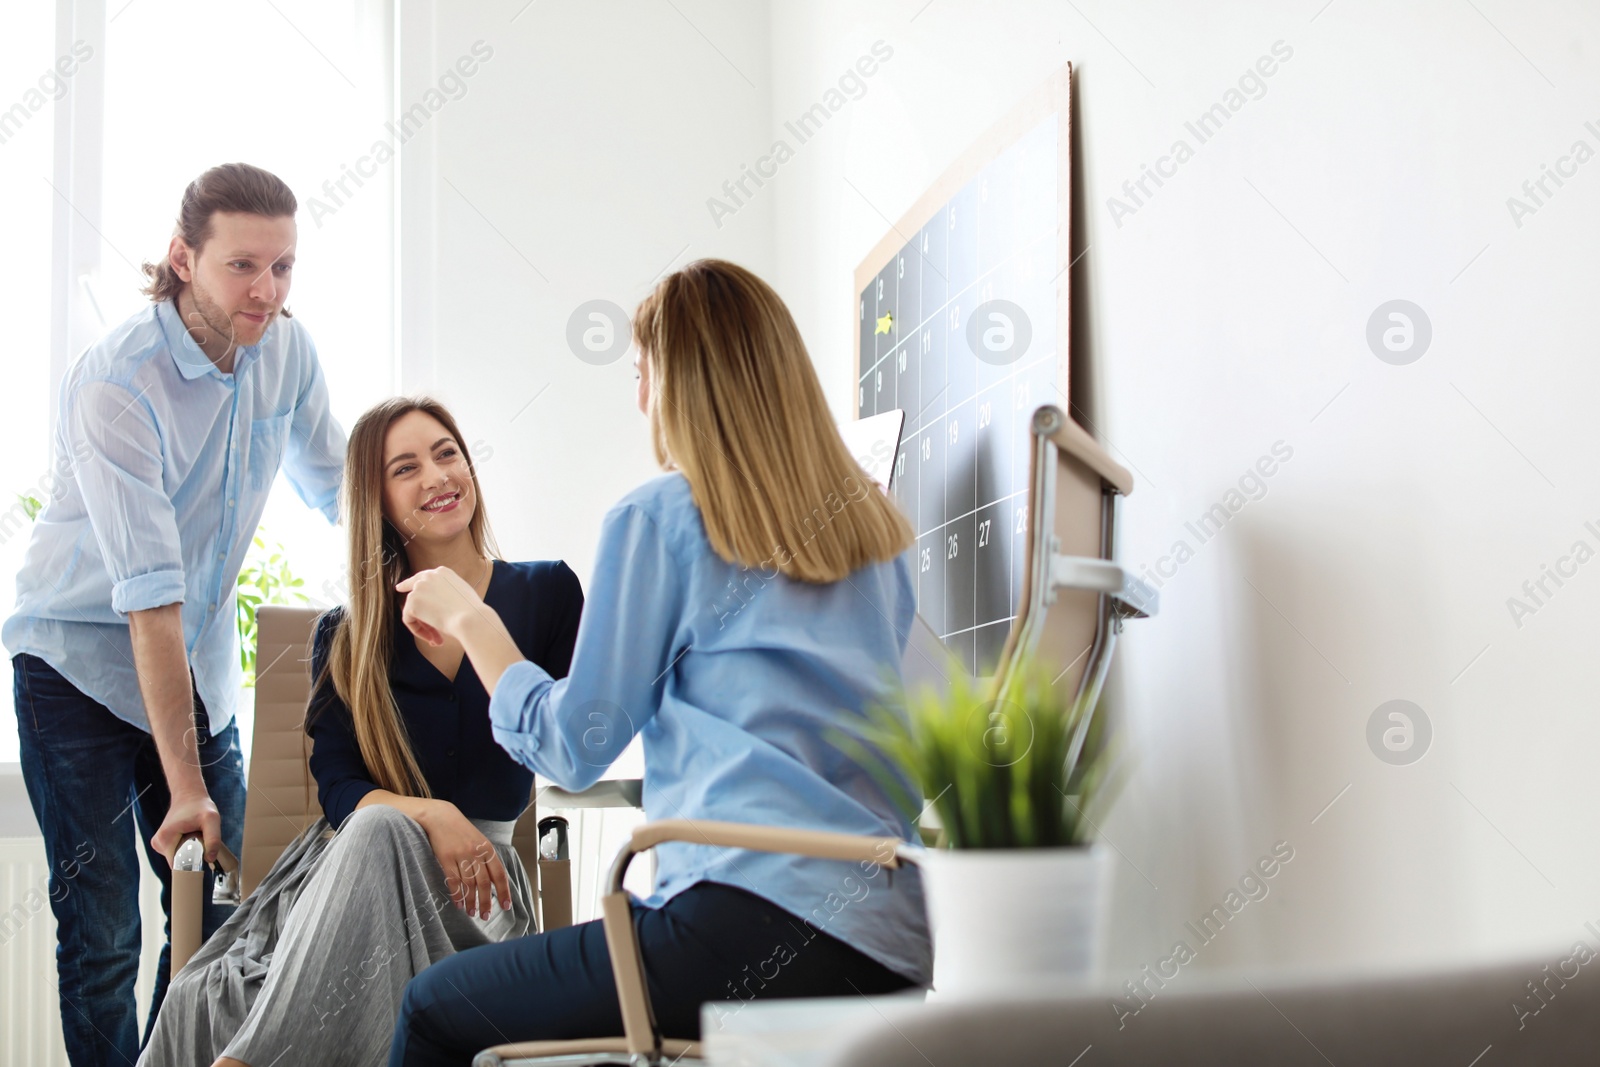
point(885, 322)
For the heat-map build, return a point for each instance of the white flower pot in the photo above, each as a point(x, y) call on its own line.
point(1006, 919)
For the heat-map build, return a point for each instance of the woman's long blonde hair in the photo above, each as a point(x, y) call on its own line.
point(363, 644)
point(736, 406)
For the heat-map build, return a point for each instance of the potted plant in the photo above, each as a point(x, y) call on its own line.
point(1016, 888)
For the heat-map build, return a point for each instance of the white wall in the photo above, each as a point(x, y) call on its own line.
point(1223, 316)
point(576, 167)
point(1226, 314)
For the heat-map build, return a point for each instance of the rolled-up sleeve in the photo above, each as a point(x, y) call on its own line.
point(336, 763)
point(571, 730)
point(314, 458)
point(119, 467)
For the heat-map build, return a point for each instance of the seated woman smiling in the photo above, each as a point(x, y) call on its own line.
point(412, 861)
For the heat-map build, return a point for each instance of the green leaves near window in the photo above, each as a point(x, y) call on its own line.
point(265, 578)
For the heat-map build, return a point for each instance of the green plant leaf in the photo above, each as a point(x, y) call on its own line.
point(994, 764)
point(264, 578)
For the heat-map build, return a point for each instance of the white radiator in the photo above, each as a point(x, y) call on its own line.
point(30, 1014)
point(30, 1021)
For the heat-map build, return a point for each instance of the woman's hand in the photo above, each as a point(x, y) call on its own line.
point(471, 865)
point(437, 601)
point(440, 604)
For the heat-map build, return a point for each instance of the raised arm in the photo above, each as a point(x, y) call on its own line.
point(630, 637)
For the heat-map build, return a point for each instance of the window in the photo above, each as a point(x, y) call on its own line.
point(27, 91)
point(164, 91)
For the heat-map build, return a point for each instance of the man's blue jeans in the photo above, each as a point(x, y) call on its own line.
point(99, 792)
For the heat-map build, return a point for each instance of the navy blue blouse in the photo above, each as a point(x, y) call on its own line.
point(448, 722)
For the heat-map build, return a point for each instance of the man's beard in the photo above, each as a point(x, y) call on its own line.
point(215, 320)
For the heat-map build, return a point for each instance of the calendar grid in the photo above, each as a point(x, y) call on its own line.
point(961, 472)
point(944, 307)
point(1021, 371)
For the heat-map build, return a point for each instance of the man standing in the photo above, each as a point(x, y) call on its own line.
point(124, 643)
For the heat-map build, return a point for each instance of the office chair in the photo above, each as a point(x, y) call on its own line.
point(281, 799)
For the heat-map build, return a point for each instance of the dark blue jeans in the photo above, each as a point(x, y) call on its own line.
point(709, 943)
point(99, 792)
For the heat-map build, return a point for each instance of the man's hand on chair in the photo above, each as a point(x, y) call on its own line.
point(189, 812)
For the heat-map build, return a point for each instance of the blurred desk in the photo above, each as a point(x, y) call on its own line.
point(1442, 1014)
point(795, 1033)
point(610, 793)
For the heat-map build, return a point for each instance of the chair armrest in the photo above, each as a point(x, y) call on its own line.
point(815, 843)
point(188, 899)
point(1134, 598)
point(627, 965)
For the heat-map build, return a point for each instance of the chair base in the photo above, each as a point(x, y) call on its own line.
point(590, 1052)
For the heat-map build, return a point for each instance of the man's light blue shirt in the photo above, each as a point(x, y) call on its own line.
point(739, 680)
point(170, 462)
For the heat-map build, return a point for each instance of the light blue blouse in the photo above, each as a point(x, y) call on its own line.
point(737, 679)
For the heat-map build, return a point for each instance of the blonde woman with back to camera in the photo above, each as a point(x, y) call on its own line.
point(742, 608)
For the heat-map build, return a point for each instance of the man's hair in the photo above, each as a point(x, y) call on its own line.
point(236, 187)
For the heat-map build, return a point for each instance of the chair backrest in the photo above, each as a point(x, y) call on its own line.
point(281, 799)
point(1070, 487)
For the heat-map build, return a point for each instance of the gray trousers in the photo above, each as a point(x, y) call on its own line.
point(311, 967)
